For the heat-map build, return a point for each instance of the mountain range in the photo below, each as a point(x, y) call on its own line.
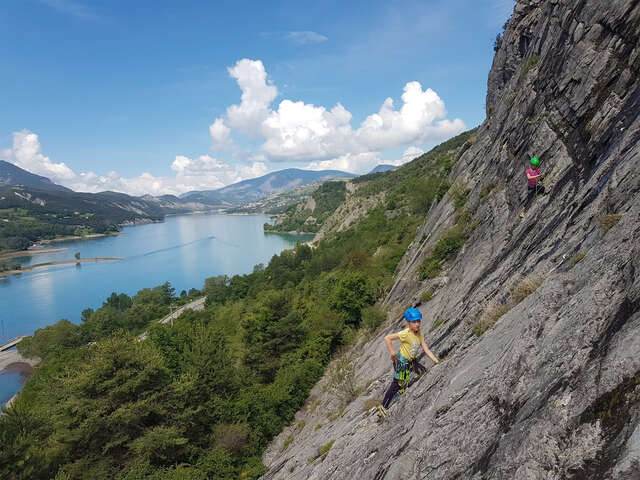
point(254, 189)
point(11, 174)
point(237, 194)
point(34, 208)
point(382, 168)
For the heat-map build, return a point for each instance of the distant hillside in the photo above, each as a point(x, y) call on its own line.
point(310, 212)
point(254, 189)
point(12, 175)
point(382, 168)
point(33, 208)
point(277, 203)
point(398, 191)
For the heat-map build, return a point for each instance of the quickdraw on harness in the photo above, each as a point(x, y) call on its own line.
point(403, 375)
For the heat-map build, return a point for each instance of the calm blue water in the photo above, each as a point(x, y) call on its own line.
point(184, 250)
point(10, 383)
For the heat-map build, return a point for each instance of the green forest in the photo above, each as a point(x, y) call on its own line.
point(202, 397)
point(21, 227)
point(28, 216)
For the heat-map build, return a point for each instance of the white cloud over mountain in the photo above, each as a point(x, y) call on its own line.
point(300, 132)
point(360, 162)
point(205, 167)
point(201, 173)
point(363, 162)
point(27, 154)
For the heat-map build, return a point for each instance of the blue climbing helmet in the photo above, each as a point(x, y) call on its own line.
point(412, 315)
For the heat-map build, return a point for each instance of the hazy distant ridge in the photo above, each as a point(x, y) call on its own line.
point(256, 188)
point(382, 168)
point(13, 175)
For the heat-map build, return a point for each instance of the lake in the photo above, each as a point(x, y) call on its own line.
point(184, 250)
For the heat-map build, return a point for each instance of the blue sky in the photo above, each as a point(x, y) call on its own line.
point(166, 96)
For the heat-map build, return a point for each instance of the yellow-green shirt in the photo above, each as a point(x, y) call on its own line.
point(410, 343)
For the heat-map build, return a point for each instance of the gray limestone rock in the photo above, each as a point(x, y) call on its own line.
point(551, 390)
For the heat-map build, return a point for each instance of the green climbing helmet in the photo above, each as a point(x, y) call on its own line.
point(534, 161)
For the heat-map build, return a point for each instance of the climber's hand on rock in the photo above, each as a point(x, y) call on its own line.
point(394, 359)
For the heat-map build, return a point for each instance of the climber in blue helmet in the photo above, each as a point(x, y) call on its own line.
point(404, 362)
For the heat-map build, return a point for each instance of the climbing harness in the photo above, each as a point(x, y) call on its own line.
point(403, 375)
point(404, 370)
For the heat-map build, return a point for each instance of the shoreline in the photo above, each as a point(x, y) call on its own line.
point(36, 248)
point(13, 357)
point(59, 262)
point(23, 368)
point(292, 232)
point(30, 253)
point(12, 362)
point(75, 237)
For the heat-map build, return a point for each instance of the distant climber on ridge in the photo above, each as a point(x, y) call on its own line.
point(534, 187)
point(411, 339)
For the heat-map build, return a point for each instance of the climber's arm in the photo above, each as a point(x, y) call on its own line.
point(429, 352)
point(387, 341)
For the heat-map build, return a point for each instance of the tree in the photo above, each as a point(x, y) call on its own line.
point(160, 295)
point(497, 43)
point(217, 289)
point(120, 302)
point(51, 339)
point(267, 333)
point(108, 407)
point(353, 292)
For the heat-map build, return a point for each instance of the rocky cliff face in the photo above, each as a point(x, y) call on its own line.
point(552, 389)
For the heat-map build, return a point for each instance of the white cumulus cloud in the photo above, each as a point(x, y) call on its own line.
point(195, 170)
point(416, 120)
point(351, 162)
point(361, 163)
point(291, 131)
point(200, 173)
point(296, 131)
point(410, 153)
point(257, 95)
point(27, 154)
point(220, 134)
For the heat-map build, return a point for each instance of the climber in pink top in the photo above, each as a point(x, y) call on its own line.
point(534, 187)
